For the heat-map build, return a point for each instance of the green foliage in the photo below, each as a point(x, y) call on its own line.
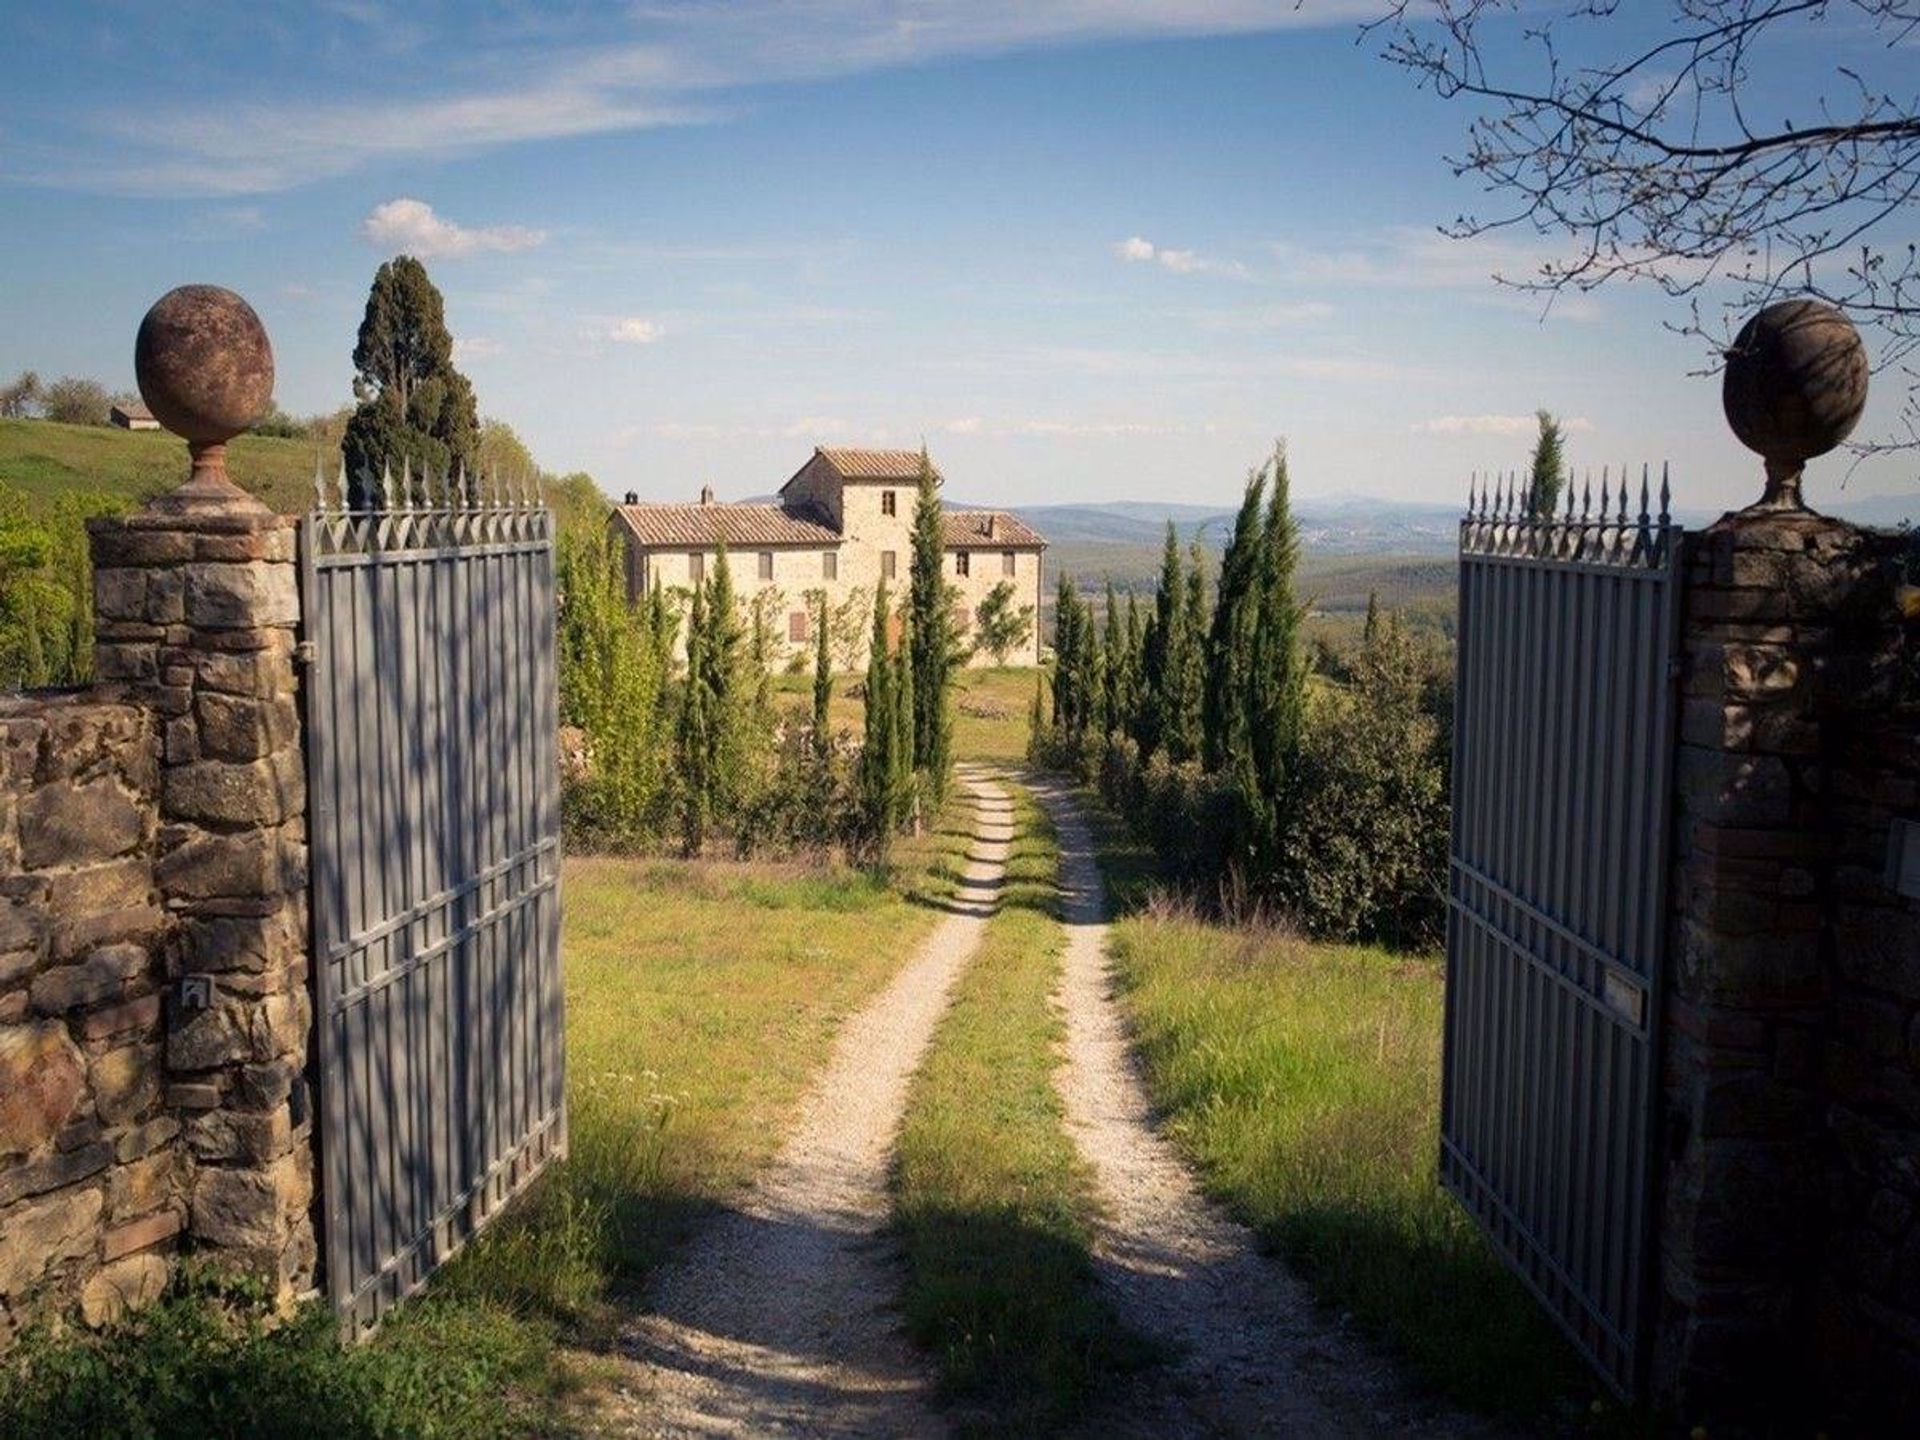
point(20, 397)
point(203, 1363)
point(414, 406)
point(903, 698)
point(822, 682)
point(880, 761)
point(999, 626)
point(46, 590)
point(613, 662)
point(714, 747)
point(1366, 851)
point(1548, 467)
point(1337, 816)
point(74, 400)
point(929, 656)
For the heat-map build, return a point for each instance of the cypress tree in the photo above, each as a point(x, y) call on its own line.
point(905, 782)
point(727, 688)
point(693, 745)
point(414, 406)
point(1277, 679)
point(1113, 668)
point(1131, 672)
point(822, 686)
point(1223, 710)
point(1160, 652)
point(1186, 663)
point(1549, 466)
point(878, 768)
point(930, 638)
point(1036, 720)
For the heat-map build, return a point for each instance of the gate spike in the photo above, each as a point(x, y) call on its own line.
point(1586, 497)
point(1666, 494)
point(1606, 473)
point(1644, 476)
point(385, 495)
point(1567, 513)
point(406, 482)
point(319, 484)
point(1623, 494)
point(1472, 478)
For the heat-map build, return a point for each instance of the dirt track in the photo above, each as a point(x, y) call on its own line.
point(778, 1320)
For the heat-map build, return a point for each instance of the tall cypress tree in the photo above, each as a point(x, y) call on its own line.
point(1548, 467)
point(822, 685)
point(1161, 652)
point(1132, 672)
point(1223, 709)
point(693, 740)
point(906, 776)
point(1277, 678)
point(879, 768)
point(930, 638)
point(1186, 664)
point(414, 406)
point(1113, 667)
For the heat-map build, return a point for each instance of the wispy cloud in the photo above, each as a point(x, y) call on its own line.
point(632, 330)
point(660, 65)
point(409, 226)
point(1138, 250)
point(1503, 425)
point(468, 348)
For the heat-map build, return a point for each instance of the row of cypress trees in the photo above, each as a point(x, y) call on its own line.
point(1215, 680)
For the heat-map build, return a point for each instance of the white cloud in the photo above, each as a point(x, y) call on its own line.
point(476, 347)
point(657, 65)
point(966, 425)
point(410, 226)
point(1494, 425)
point(1138, 250)
point(633, 330)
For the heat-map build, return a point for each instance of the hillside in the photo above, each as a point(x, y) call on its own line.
point(46, 462)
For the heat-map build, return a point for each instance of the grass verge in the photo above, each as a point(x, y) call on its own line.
point(989, 1195)
point(1303, 1079)
point(701, 998)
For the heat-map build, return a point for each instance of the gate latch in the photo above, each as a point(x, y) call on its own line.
point(196, 993)
point(303, 653)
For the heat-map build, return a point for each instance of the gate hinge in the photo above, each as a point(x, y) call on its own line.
point(303, 653)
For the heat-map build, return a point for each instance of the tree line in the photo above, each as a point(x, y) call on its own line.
point(1265, 785)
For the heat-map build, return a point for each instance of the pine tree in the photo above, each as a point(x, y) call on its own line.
point(930, 638)
point(414, 407)
point(1223, 708)
point(879, 769)
point(822, 686)
point(1160, 653)
point(1549, 466)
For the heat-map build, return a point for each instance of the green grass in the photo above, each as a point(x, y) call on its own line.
point(45, 461)
point(690, 1036)
point(989, 710)
point(1303, 1079)
point(990, 1197)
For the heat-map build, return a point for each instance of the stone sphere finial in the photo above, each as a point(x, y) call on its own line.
point(205, 369)
point(1795, 385)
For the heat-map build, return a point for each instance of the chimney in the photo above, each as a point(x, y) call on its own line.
point(991, 517)
point(633, 497)
point(706, 494)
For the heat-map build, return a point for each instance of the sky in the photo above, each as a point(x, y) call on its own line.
point(1086, 249)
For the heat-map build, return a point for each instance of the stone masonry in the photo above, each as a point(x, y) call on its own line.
point(198, 615)
point(152, 832)
point(1789, 1252)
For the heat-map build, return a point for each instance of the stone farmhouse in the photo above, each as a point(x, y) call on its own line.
point(842, 524)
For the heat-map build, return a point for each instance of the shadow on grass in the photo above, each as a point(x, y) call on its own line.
point(1011, 1309)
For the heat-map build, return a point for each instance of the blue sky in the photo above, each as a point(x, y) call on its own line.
point(1088, 249)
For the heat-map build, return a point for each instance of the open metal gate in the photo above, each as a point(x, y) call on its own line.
point(1556, 927)
point(435, 874)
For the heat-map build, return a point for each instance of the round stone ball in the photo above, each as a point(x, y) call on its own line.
point(1796, 381)
point(204, 363)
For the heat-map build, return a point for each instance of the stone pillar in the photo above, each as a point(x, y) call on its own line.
point(198, 606)
point(1772, 647)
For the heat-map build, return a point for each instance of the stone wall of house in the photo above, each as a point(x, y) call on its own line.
point(1789, 1253)
point(154, 1005)
point(92, 1163)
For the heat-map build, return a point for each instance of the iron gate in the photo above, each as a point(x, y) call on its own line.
point(435, 873)
point(1556, 926)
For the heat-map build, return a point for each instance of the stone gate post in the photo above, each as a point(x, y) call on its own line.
point(198, 609)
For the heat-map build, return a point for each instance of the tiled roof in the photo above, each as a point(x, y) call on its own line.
point(969, 528)
point(873, 464)
point(739, 526)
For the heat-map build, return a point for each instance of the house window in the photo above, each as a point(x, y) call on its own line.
point(829, 564)
point(696, 567)
point(886, 502)
point(886, 564)
point(766, 564)
point(1008, 562)
point(963, 562)
point(797, 626)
